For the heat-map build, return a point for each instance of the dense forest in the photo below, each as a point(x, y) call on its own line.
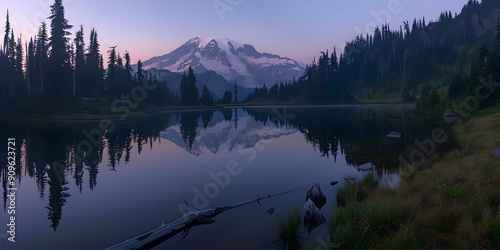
point(51, 72)
point(435, 63)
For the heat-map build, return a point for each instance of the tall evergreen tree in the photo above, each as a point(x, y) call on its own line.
point(227, 97)
point(184, 90)
point(188, 89)
point(235, 92)
point(93, 85)
point(112, 77)
point(41, 59)
point(7, 32)
point(19, 58)
point(125, 74)
point(128, 66)
point(140, 73)
point(193, 90)
point(206, 98)
point(30, 54)
point(58, 89)
point(11, 51)
point(79, 42)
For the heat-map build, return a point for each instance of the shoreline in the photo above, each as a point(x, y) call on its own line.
point(97, 117)
point(436, 202)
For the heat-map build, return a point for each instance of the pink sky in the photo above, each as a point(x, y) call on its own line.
point(292, 28)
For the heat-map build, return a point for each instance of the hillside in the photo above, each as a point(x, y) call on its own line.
point(399, 65)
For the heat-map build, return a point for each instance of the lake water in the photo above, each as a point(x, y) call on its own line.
point(91, 185)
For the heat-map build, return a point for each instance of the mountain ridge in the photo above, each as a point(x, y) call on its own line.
point(235, 61)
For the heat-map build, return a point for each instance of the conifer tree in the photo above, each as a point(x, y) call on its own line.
point(30, 54)
point(79, 60)
point(188, 89)
point(19, 58)
point(58, 88)
point(126, 78)
point(7, 32)
point(112, 76)
point(235, 92)
point(92, 84)
point(206, 98)
point(140, 73)
point(11, 51)
point(41, 59)
point(227, 97)
point(184, 90)
point(128, 67)
point(193, 90)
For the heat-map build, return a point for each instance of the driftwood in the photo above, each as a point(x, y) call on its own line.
point(183, 224)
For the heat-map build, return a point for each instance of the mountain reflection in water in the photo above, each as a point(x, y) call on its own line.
point(56, 154)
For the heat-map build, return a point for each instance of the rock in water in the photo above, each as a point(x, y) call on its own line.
point(496, 153)
point(270, 211)
point(450, 116)
point(316, 195)
point(394, 134)
point(313, 217)
point(366, 167)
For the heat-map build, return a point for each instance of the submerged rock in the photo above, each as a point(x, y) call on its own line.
point(313, 217)
point(270, 211)
point(316, 195)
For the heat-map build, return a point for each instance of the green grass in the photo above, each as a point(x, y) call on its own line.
point(289, 230)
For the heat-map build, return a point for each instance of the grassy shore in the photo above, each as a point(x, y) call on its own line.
point(448, 203)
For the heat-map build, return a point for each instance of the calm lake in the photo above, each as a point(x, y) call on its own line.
point(91, 185)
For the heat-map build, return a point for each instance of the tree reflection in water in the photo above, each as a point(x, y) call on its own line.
point(52, 152)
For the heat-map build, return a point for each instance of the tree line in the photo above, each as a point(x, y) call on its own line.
point(190, 96)
point(52, 72)
point(419, 62)
point(433, 63)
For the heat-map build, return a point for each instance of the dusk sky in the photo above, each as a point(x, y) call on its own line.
point(294, 28)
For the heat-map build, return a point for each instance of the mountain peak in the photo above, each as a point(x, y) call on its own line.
point(235, 61)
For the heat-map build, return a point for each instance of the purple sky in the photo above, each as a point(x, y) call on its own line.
point(293, 28)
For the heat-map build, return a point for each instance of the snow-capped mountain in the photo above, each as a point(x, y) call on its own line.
point(222, 136)
point(236, 62)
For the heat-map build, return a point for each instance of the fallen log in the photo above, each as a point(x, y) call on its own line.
point(183, 224)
